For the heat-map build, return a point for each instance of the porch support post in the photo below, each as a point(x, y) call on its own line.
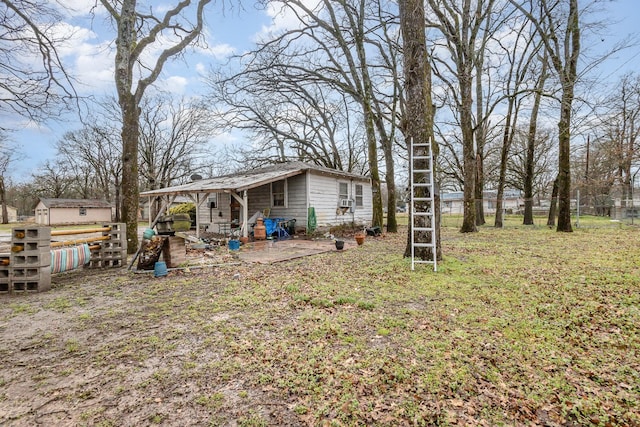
point(198, 200)
point(244, 203)
point(245, 214)
point(149, 211)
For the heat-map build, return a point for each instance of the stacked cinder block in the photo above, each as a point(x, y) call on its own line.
point(112, 252)
point(29, 268)
point(5, 274)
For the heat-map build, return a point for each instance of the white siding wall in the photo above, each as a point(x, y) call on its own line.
point(212, 216)
point(457, 206)
point(324, 198)
point(296, 207)
point(59, 216)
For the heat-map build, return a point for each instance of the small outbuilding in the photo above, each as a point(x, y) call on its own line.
point(453, 202)
point(72, 211)
point(313, 196)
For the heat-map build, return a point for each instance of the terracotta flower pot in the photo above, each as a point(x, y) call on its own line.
point(360, 238)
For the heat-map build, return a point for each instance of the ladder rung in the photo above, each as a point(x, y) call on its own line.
point(422, 229)
point(421, 157)
point(424, 245)
point(422, 213)
point(421, 184)
point(421, 170)
point(421, 145)
point(422, 199)
point(421, 261)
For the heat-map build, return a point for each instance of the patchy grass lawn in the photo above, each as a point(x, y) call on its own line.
point(520, 326)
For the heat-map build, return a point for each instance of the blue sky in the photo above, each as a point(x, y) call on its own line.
point(89, 57)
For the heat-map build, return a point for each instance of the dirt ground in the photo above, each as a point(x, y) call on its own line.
point(78, 355)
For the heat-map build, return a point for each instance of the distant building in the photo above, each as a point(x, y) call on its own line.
point(453, 203)
point(72, 211)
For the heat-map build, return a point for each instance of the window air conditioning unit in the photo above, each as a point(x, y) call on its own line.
point(346, 203)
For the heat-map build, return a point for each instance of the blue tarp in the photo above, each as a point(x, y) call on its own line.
point(271, 224)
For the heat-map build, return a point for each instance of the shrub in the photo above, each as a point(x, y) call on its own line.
point(188, 208)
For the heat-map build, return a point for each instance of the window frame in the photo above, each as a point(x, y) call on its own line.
point(342, 195)
point(213, 196)
point(359, 198)
point(82, 211)
point(284, 199)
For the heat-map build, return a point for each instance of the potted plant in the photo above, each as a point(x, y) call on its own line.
point(359, 238)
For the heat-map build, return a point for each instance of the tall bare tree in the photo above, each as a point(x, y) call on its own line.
point(461, 23)
point(530, 159)
point(418, 125)
point(173, 134)
point(53, 180)
point(94, 152)
point(289, 119)
point(557, 23)
point(623, 130)
point(520, 55)
point(138, 33)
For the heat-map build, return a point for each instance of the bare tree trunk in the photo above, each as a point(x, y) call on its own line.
point(479, 190)
point(3, 201)
point(418, 126)
point(469, 158)
point(504, 157)
point(372, 150)
point(392, 222)
point(531, 145)
point(130, 190)
point(117, 197)
point(481, 130)
point(551, 220)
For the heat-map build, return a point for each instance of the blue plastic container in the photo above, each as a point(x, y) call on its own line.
point(148, 234)
point(234, 245)
point(160, 269)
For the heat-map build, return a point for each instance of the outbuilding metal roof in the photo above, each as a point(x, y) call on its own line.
point(250, 179)
point(75, 203)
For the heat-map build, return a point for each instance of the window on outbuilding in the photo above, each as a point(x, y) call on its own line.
point(279, 193)
point(83, 211)
point(213, 201)
point(359, 195)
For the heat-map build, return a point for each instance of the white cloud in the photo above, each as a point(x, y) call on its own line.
point(174, 84)
point(78, 7)
point(222, 51)
point(225, 138)
point(283, 18)
point(88, 60)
